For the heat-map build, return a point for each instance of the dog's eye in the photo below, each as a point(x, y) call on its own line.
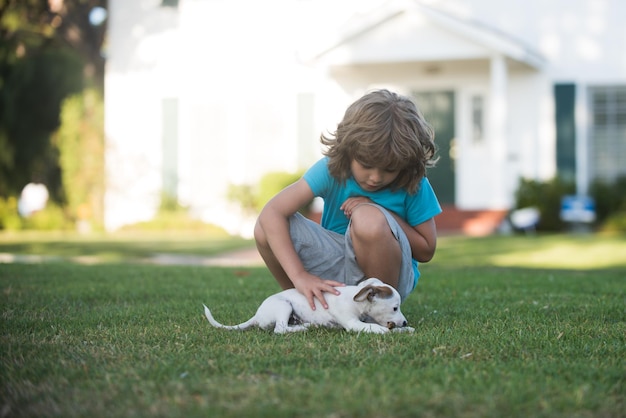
point(395, 309)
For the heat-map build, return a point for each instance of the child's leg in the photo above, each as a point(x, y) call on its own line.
point(377, 249)
point(320, 250)
point(270, 259)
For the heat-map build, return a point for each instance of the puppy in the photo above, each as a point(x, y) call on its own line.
point(371, 306)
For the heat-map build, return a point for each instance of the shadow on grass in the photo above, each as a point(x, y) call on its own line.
point(118, 247)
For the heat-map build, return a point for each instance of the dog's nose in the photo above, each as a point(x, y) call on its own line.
point(404, 324)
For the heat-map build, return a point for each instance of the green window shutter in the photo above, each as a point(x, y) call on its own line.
point(565, 98)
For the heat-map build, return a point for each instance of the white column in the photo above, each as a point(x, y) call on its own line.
point(497, 132)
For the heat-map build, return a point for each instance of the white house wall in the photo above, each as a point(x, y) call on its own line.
point(230, 65)
point(238, 103)
point(236, 68)
point(139, 72)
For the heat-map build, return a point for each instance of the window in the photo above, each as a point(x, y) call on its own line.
point(608, 131)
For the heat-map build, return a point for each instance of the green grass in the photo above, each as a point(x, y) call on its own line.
point(496, 335)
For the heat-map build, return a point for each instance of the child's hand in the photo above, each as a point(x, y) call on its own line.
point(313, 287)
point(351, 203)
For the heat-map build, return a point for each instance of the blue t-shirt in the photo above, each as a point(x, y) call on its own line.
point(413, 208)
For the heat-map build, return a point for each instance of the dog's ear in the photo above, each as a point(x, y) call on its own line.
point(369, 292)
point(369, 281)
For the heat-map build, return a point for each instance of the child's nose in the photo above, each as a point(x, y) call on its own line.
point(375, 175)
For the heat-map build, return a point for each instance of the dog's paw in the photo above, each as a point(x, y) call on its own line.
point(403, 329)
point(376, 329)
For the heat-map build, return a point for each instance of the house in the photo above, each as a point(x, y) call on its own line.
point(211, 93)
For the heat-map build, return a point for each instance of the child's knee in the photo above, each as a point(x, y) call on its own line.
point(369, 223)
point(259, 234)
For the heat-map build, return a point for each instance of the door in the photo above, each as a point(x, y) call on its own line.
point(438, 109)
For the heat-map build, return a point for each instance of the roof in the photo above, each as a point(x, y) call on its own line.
point(409, 31)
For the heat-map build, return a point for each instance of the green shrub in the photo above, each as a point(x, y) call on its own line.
point(244, 195)
point(80, 141)
point(52, 218)
point(175, 221)
point(172, 216)
point(170, 204)
point(252, 198)
point(9, 218)
point(546, 196)
point(615, 222)
point(609, 197)
point(272, 183)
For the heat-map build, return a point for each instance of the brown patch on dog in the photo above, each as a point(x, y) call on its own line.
point(369, 292)
point(384, 292)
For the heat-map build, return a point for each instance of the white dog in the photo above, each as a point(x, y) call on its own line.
point(372, 301)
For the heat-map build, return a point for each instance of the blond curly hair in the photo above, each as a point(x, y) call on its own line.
point(385, 130)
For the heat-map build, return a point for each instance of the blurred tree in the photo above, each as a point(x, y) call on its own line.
point(49, 49)
point(81, 148)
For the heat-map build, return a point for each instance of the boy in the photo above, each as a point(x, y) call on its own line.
point(379, 208)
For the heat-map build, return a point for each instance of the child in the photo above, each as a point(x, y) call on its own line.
point(379, 208)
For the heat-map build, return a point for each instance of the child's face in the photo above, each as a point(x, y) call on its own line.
point(372, 179)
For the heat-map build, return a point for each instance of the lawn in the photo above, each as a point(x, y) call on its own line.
point(505, 326)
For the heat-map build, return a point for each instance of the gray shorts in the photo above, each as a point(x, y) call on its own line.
point(330, 255)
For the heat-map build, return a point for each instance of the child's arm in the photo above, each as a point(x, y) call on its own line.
point(274, 222)
point(422, 237)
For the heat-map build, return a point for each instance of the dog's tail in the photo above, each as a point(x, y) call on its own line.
point(216, 324)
